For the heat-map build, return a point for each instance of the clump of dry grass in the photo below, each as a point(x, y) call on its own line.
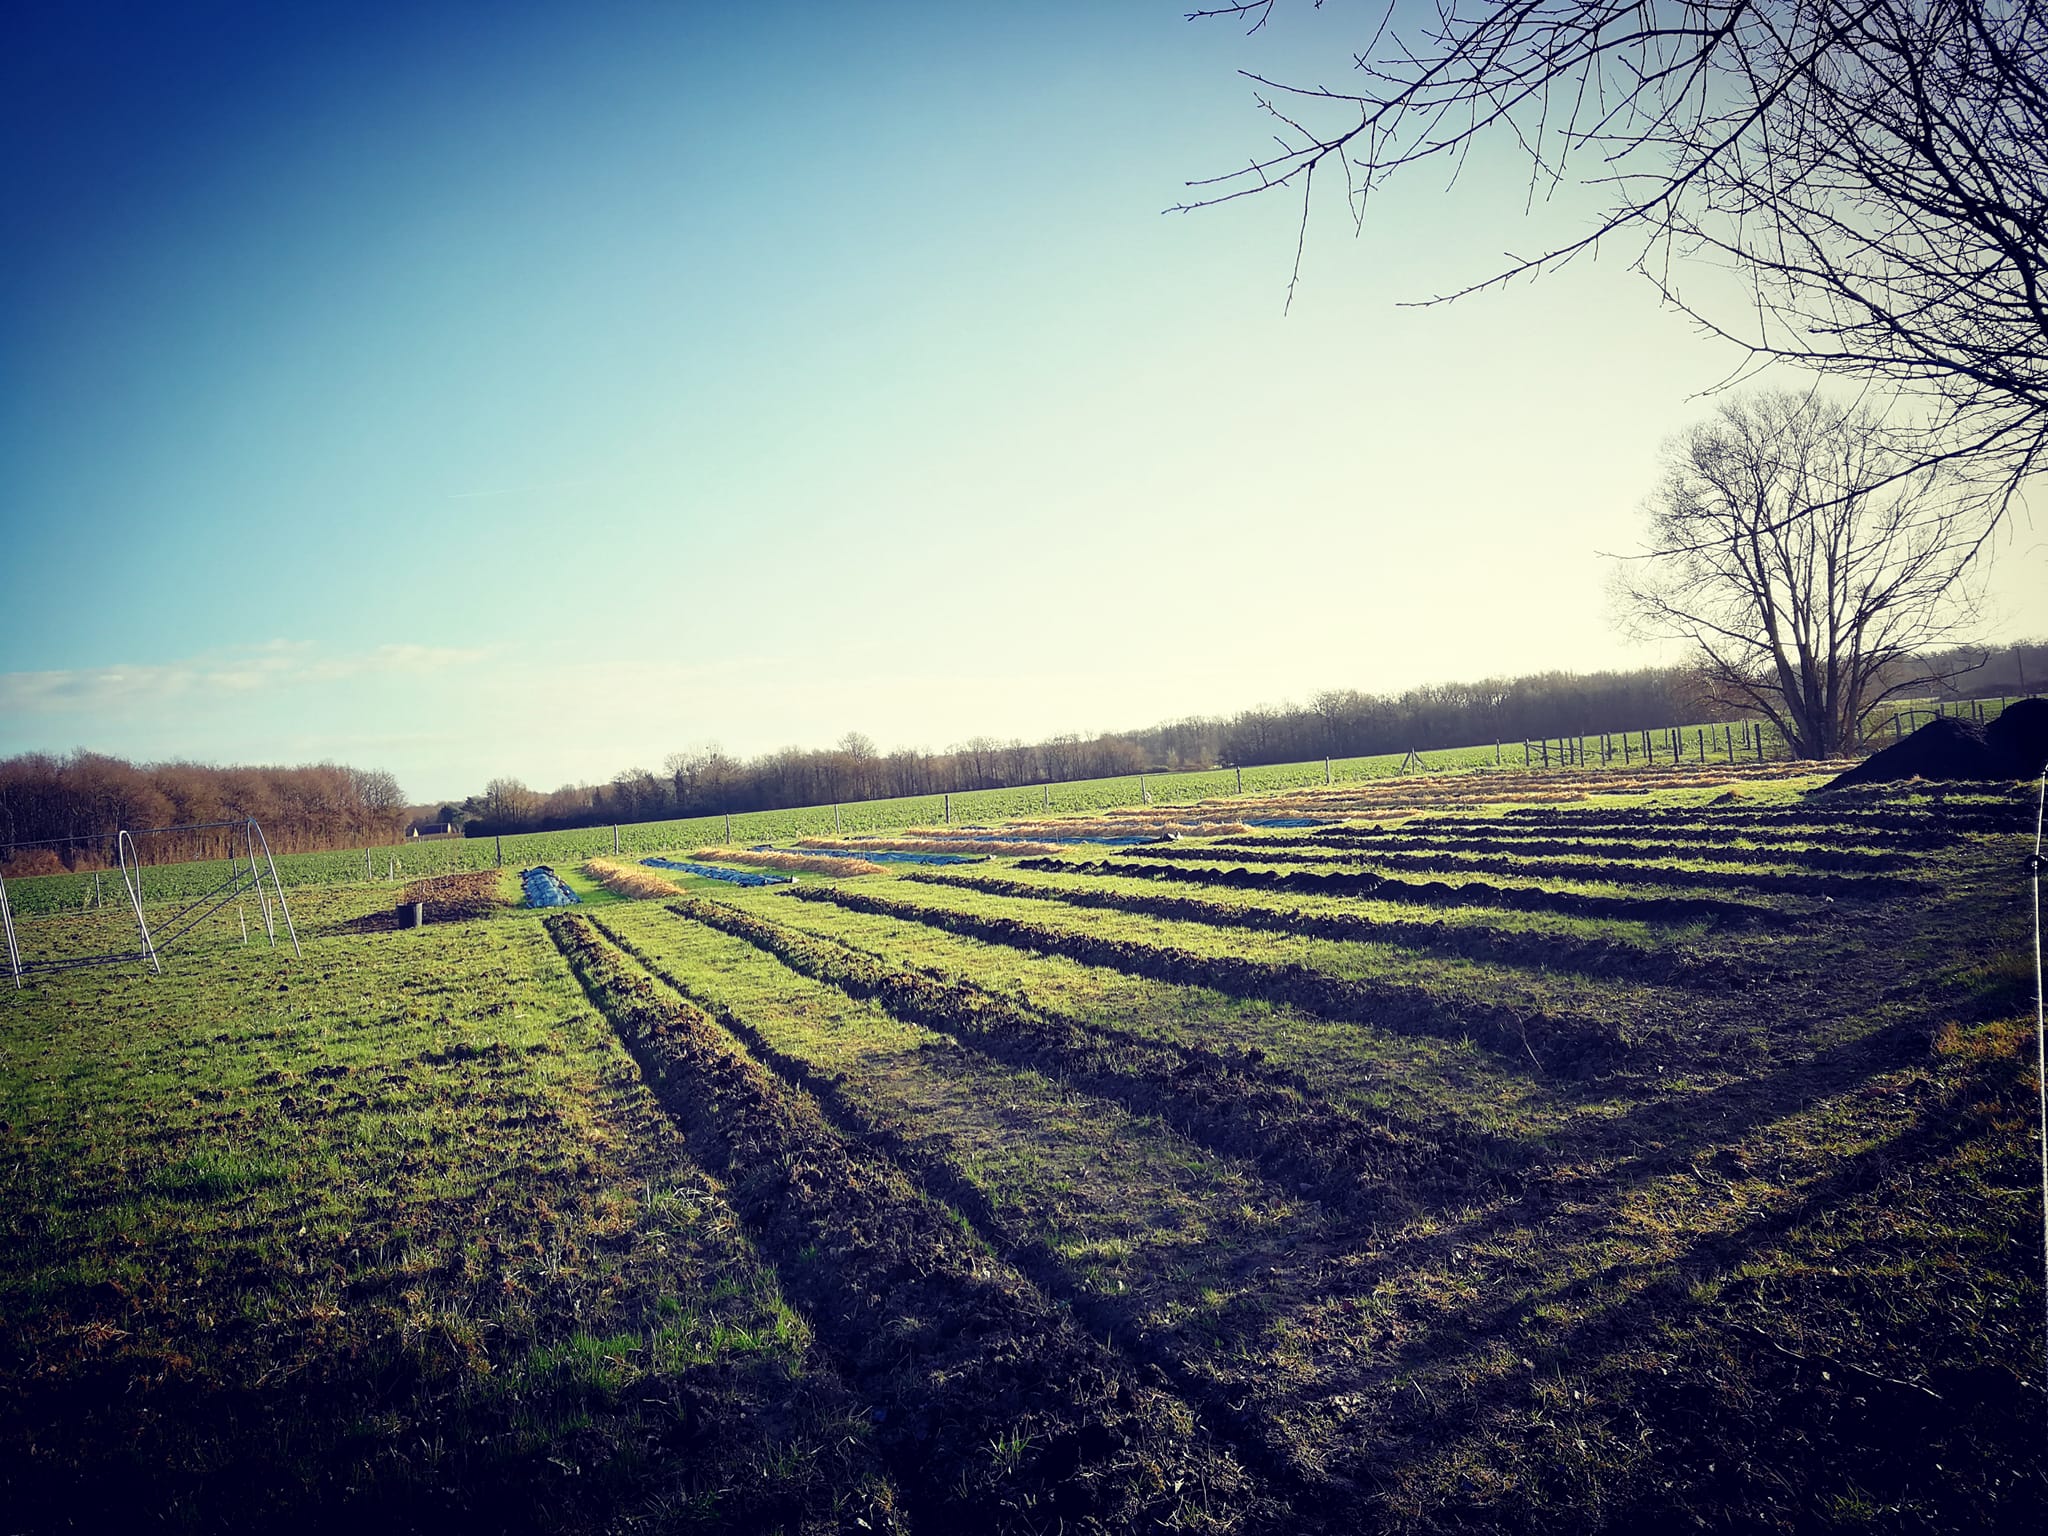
point(628, 879)
point(795, 863)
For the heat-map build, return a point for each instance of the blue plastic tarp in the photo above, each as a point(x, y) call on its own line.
point(713, 872)
point(544, 888)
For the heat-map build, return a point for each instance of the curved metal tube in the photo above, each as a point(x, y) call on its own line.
point(250, 832)
point(276, 885)
point(124, 847)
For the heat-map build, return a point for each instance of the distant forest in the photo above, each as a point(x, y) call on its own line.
point(88, 795)
point(1337, 723)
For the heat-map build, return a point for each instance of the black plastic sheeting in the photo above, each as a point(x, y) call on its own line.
point(713, 872)
point(544, 888)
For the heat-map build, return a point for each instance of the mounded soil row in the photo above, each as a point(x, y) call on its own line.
point(991, 1409)
point(1815, 818)
point(448, 899)
point(1610, 872)
point(1714, 849)
point(1916, 836)
point(1604, 958)
point(1430, 893)
point(1237, 1104)
point(1577, 1045)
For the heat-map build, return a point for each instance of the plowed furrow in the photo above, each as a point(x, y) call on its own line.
point(1429, 893)
point(1575, 1045)
point(1606, 958)
point(1235, 1105)
point(991, 1409)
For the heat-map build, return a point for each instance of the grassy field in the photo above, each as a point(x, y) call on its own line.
point(1703, 746)
point(1610, 1153)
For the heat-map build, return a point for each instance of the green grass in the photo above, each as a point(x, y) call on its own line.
point(401, 1235)
point(268, 1228)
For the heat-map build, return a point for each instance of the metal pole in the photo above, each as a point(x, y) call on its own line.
point(278, 885)
point(2041, 1021)
point(13, 951)
point(249, 833)
point(123, 846)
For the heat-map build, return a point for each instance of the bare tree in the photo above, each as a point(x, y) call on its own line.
point(1875, 170)
point(1792, 548)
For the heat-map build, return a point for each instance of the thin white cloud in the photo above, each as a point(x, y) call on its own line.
point(243, 671)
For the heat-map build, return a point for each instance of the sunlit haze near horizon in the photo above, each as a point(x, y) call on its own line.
point(536, 391)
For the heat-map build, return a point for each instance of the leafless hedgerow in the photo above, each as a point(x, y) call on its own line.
point(1876, 171)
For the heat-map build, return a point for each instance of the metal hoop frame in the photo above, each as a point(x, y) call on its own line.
point(260, 879)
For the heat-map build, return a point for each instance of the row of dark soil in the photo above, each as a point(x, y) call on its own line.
point(1429, 893)
point(1605, 958)
point(1608, 871)
point(1573, 1045)
point(1969, 817)
point(1919, 837)
point(1236, 1103)
point(990, 1407)
point(1713, 849)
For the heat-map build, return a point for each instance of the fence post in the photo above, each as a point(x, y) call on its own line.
point(498, 840)
point(615, 839)
point(949, 809)
point(1525, 752)
point(728, 829)
point(1144, 794)
point(1649, 749)
point(1240, 781)
point(1326, 769)
point(1048, 797)
point(1496, 754)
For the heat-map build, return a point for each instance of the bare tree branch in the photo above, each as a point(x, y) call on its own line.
point(1877, 170)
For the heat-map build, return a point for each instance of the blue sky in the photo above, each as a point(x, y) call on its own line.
point(471, 390)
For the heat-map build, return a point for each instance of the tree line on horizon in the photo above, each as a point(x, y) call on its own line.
point(1335, 723)
point(86, 797)
point(62, 813)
